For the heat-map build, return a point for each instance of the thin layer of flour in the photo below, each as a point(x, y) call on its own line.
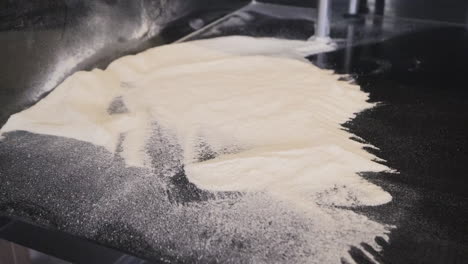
point(243, 115)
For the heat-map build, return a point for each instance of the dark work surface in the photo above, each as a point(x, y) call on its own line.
point(421, 129)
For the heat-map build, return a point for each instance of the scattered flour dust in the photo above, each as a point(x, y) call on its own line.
point(269, 121)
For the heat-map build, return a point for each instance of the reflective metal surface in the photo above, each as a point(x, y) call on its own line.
point(42, 42)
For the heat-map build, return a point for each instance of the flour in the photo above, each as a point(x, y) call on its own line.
point(269, 121)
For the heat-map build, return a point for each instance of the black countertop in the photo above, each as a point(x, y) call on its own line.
point(420, 127)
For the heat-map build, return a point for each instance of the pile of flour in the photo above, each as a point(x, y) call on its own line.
point(250, 115)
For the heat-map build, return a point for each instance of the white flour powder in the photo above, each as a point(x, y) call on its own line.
point(271, 122)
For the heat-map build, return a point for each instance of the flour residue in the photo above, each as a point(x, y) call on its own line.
point(249, 115)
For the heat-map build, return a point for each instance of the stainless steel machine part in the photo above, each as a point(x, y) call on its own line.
point(322, 30)
point(353, 7)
